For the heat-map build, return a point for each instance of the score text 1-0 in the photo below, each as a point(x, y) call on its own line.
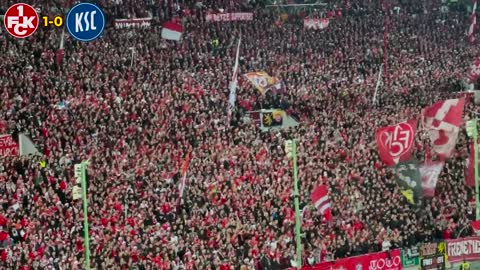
point(57, 21)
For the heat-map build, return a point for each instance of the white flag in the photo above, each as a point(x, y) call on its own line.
point(232, 97)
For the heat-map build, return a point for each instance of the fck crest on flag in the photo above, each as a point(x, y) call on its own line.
point(395, 142)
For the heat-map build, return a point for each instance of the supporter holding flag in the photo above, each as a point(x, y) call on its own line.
point(321, 201)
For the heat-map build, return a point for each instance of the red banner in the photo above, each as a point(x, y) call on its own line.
point(373, 261)
point(395, 143)
point(8, 147)
point(463, 249)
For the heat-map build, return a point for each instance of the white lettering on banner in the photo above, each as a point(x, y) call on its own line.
point(8, 147)
point(400, 139)
point(389, 264)
point(465, 247)
point(129, 23)
point(225, 17)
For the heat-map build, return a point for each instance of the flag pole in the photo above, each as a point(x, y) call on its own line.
point(232, 96)
point(298, 225)
point(378, 85)
point(475, 145)
point(291, 149)
point(132, 57)
point(86, 239)
point(386, 24)
point(473, 133)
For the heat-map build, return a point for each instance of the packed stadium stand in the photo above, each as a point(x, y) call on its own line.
point(151, 114)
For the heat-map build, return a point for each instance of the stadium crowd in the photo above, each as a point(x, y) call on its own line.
point(136, 119)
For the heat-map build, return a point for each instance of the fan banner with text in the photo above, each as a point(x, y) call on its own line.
point(467, 249)
point(372, 261)
point(227, 17)
point(8, 146)
point(133, 23)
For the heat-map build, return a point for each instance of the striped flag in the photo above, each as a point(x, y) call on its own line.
point(321, 201)
point(183, 172)
point(172, 31)
point(232, 97)
point(473, 24)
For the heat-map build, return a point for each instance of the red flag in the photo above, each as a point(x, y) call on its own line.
point(395, 142)
point(474, 72)
point(476, 227)
point(473, 24)
point(443, 120)
point(430, 173)
point(470, 169)
point(321, 201)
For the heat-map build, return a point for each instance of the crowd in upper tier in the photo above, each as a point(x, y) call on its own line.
point(137, 121)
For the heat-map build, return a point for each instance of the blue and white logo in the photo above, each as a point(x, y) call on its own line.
point(85, 22)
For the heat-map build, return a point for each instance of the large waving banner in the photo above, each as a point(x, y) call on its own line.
point(409, 180)
point(463, 249)
point(430, 173)
point(8, 147)
point(264, 82)
point(443, 120)
point(395, 142)
point(227, 17)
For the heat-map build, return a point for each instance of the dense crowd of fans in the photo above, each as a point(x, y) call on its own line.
point(136, 119)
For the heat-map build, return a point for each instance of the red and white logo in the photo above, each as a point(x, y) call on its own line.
point(21, 20)
point(398, 139)
point(395, 142)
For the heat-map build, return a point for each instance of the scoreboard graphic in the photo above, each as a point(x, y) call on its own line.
point(84, 21)
point(432, 256)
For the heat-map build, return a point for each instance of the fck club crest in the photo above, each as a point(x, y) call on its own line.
point(395, 142)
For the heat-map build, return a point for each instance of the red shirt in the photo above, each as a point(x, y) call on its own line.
point(3, 236)
point(225, 267)
point(63, 185)
point(3, 221)
point(3, 256)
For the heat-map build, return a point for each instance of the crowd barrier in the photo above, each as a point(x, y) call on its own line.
point(448, 254)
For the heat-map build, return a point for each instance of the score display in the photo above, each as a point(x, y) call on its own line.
point(436, 262)
point(432, 256)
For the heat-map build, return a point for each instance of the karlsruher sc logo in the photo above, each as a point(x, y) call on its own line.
point(85, 22)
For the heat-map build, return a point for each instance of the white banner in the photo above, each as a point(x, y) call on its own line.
point(226, 17)
point(135, 23)
point(316, 23)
